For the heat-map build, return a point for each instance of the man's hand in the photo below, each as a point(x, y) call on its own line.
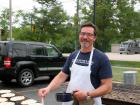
point(80, 95)
point(43, 92)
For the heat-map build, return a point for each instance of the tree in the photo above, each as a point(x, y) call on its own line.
point(51, 24)
point(127, 20)
point(4, 22)
point(116, 20)
point(48, 3)
point(104, 21)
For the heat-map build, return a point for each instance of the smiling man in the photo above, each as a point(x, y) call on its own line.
point(89, 70)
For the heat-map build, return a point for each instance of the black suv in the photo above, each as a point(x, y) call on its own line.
point(25, 61)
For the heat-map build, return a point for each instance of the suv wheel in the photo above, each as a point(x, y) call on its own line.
point(25, 77)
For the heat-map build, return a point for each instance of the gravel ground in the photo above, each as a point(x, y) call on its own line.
point(124, 96)
point(126, 93)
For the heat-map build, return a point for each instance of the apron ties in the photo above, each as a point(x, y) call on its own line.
point(80, 79)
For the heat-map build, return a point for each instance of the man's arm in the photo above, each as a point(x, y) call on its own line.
point(55, 83)
point(104, 88)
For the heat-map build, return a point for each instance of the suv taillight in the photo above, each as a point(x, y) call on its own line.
point(7, 62)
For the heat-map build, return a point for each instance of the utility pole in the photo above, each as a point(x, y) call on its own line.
point(10, 19)
point(77, 25)
point(94, 11)
point(0, 33)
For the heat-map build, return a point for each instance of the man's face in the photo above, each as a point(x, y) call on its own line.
point(86, 37)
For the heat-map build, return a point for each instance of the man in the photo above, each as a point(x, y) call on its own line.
point(89, 70)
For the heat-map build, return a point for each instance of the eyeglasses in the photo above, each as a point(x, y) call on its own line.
point(87, 34)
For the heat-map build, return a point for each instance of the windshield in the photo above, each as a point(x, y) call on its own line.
point(124, 44)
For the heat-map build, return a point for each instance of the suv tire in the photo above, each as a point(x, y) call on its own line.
point(25, 77)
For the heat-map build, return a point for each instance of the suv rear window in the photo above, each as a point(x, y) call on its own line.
point(19, 49)
point(2, 48)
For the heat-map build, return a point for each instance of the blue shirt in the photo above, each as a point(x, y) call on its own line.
point(100, 67)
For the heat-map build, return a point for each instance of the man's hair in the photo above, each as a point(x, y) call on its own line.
point(89, 24)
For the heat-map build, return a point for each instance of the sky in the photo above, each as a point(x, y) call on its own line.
point(27, 5)
point(137, 7)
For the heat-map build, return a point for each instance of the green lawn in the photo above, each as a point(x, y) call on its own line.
point(119, 67)
point(125, 63)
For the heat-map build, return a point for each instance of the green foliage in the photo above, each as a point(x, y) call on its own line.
point(46, 2)
point(127, 20)
point(116, 21)
point(4, 19)
point(49, 24)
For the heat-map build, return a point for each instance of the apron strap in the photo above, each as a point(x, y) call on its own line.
point(76, 57)
point(90, 59)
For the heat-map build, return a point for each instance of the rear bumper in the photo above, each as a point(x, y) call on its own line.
point(7, 73)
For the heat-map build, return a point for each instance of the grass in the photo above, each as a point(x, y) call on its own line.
point(118, 67)
point(125, 63)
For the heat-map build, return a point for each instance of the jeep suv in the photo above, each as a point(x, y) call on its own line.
point(25, 61)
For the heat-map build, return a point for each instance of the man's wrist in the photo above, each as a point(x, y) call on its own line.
point(88, 96)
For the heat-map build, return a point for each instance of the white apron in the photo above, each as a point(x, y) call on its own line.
point(80, 79)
